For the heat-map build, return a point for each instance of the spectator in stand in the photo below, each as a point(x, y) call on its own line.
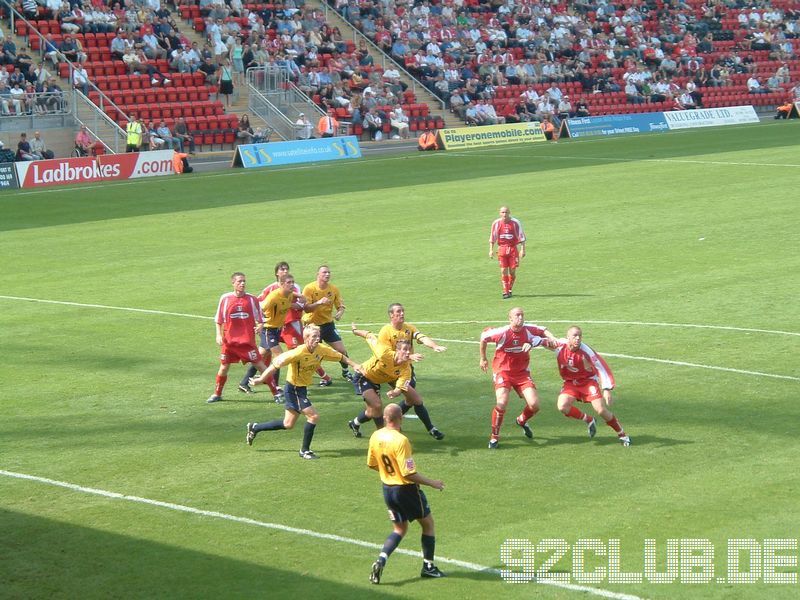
point(181, 131)
point(754, 86)
point(633, 94)
point(117, 46)
point(399, 122)
point(581, 108)
point(210, 70)
point(80, 79)
point(18, 99)
point(685, 101)
point(154, 141)
point(373, 123)
point(564, 109)
point(83, 142)
point(39, 147)
point(172, 142)
point(24, 151)
point(54, 96)
point(245, 133)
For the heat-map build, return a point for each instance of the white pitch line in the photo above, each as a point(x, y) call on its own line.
point(676, 363)
point(464, 322)
point(644, 358)
point(294, 530)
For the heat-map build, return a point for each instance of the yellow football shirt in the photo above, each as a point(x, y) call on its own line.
point(390, 451)
point(381, 367)
point(321, 314)
point(275, 306)
point(303, 363)
point(390, 336)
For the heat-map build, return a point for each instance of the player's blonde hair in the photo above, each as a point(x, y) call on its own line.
point(310, 329)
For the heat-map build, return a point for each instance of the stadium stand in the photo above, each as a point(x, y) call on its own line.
point(592, 50)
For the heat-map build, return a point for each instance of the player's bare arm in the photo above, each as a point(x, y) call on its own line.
point(483, 364)
point(426, 341)
point(436, 484)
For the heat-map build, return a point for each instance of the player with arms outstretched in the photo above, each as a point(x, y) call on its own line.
point(302, 361)
point(511, 368)
point(398, 330)
point(385, 366)
point(510, 238)
point(587, 378)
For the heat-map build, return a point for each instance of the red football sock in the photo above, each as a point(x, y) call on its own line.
point(321, 372)
point(614, 424)
point(511, 280)
point(504, 281)
point(527, 413)
point(497, 421)
point(221, 379)
point(574, 413)
point(271, 384)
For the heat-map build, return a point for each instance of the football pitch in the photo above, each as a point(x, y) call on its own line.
point(677, 253)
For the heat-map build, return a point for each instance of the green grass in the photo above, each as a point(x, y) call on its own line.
point(693, 228)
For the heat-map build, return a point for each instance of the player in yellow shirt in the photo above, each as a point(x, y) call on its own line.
point(385, 366)
point(390, 454)
point(322, 298)
point(303, 362)
point(275, 307)
point(390, 334)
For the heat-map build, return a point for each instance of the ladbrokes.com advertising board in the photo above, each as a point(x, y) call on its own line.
point(491, 135)
point(109, 167)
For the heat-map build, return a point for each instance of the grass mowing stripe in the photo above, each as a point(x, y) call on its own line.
point(467, 322)
point(453, 341)
point(287, 529)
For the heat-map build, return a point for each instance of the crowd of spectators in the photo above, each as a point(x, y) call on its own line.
point(652, 50)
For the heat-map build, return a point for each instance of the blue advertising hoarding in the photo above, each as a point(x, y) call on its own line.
point(617, 124)
point(300, 151)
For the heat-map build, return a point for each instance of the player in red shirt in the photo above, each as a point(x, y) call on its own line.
point(507, 233)
point(587, 378)
point(511, 367)
point(238, 316)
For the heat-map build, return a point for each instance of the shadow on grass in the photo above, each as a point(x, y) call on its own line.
point(44, 558)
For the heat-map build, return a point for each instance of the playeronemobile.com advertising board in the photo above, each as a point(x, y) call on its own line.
point(491, 135)
point(659, 121)
point(109, 167)
point(275, 154)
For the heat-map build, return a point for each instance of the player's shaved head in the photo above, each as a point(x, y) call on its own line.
point(515, 310)
point(392, 414)
point(573, 330)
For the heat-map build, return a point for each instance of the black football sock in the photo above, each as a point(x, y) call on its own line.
point(308, 433)
point(251, 372)
point(423, 415)
point(269, 426)
point(428, 546)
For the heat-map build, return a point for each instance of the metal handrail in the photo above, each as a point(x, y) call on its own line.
point(105, 101)
point(385, 58)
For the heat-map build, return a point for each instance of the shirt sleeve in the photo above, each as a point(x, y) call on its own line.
point(405, 460)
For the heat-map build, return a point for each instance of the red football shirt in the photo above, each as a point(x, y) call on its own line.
point(583, 364)
point(239, 316)
point(508, 354)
